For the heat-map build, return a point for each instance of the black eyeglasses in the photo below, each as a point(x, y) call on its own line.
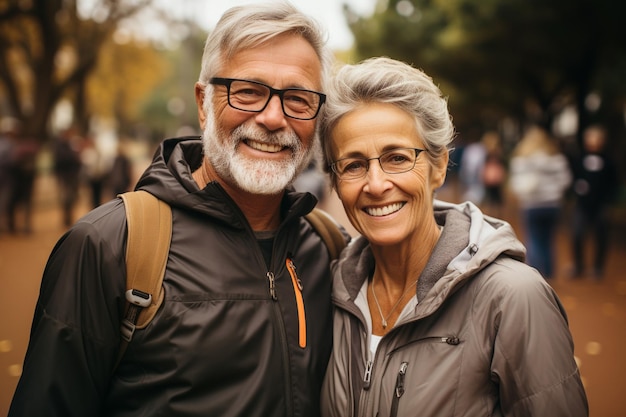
point(394, 161)
point(254, 96)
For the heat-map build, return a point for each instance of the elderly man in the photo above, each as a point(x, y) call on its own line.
point(245, 327)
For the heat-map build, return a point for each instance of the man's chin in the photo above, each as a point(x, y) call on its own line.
point(262, 185)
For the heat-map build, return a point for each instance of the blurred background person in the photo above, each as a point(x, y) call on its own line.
point(539, 176)
point(471, 172)
point(94, 169)
point(6, 179)
point(493, 174)
point(120, 177)
point(595, 188)
point(67, 168)
point(23, 169)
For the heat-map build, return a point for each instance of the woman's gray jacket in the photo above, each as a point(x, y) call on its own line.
point(488, 336)
point(228, 338)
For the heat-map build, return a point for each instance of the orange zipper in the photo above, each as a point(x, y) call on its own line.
point(297, 289)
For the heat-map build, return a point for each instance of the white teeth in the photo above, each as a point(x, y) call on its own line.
point(265, 147)
point(383, 211)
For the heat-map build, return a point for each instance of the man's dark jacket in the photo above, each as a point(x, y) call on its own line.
point(220, 345)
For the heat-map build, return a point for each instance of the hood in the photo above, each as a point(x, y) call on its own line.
point(469, 242)
point(486, 237)
point(169, 178)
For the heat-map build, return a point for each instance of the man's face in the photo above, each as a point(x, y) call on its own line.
point(262, 153)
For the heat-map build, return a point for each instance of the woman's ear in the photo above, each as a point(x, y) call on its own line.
point(440, 170)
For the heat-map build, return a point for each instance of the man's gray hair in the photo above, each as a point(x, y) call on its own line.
point(248, 26)
point(385, 80)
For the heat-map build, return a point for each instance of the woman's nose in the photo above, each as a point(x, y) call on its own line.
point(376, 180)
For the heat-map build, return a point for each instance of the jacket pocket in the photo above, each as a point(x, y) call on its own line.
point(422, 374)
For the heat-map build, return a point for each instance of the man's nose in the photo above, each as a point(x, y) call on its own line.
point(272, 116)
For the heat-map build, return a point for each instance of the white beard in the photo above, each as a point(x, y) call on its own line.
point(253, 175)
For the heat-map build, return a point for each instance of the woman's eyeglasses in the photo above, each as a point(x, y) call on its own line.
point(394, 161)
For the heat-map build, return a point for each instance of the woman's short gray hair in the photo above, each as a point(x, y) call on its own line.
point(248, 26)
point(385, 80)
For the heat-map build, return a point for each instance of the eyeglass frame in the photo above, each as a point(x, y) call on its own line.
point(333, 165)
point(227, 82)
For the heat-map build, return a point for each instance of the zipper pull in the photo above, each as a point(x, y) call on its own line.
point(292, 266)
point(395, 402)
point(270, 277)
point(452, 340)
point(367, 378)
point(400, 380)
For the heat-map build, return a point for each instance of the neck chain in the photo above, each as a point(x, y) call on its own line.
point(380, 311)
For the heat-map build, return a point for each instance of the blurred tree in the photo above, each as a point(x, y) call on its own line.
point(525, 59)
point(127, 72)
point(171, 106)
point(48, 50)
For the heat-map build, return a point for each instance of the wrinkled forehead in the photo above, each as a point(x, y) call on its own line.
point(230, 48)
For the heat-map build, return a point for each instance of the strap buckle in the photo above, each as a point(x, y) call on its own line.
point(139, 298)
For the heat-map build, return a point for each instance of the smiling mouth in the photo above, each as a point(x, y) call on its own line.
point(264, 147)
point(384, 211)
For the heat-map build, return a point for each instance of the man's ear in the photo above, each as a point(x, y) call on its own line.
point(199, 92)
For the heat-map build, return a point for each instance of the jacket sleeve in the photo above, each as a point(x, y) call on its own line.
point(75, 332)
point(533, 357)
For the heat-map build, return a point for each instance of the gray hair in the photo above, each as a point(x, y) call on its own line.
point(251, 25)
point(385, 80)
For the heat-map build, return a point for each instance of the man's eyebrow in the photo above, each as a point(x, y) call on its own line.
point(287, 87)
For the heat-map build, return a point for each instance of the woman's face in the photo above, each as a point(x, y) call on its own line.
point(385, 208)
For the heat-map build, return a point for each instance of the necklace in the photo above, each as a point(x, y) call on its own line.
point(380, 311)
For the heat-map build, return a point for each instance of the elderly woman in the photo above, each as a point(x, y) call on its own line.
point(436, 313)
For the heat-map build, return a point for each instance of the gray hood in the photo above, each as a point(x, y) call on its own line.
point(469, 241)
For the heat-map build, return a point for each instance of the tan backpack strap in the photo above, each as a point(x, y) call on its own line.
point(328, 230)
point(149, 224)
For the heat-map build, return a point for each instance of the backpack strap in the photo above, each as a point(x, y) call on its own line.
point(149, 224)
point(328, 230)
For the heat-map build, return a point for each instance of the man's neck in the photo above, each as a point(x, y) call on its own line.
point(261, 211)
